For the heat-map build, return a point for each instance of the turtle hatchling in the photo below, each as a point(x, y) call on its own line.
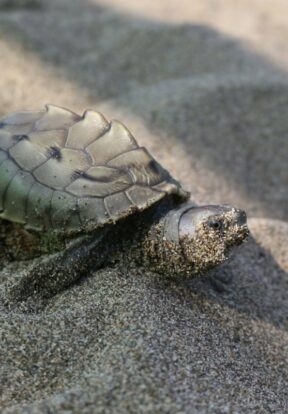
point(78, 193)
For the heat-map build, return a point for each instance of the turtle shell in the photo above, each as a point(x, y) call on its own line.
point(69, 173)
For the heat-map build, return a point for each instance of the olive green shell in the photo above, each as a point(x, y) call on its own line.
point(70, 173)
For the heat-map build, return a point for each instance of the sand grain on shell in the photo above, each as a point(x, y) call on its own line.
point(210, 101)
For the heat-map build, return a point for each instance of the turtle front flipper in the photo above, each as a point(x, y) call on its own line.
point(49, 275)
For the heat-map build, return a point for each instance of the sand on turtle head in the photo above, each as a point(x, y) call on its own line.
point(210, 248)
point(194, 255)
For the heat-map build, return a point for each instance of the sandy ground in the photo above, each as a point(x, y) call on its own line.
point(205, 88)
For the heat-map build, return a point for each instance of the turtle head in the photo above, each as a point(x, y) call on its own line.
point(206, 234)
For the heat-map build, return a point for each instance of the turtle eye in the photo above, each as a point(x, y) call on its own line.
point(215, 224)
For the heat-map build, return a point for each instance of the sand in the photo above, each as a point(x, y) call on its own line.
point(205, 87)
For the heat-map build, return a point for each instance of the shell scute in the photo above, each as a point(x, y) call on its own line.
point(117, 204)
point(15, 202)
point(56, 117)
point(92, 210)
point(73, 221)
point(32, 151)
point(22, 118)
point(140, 194)
point(3, 156)
point(15, 130)
point(90, 127)
point(100, 186)
point(6, 139)
point(39, 207)
point(58, 172)
point(116, 141)
point(143, 169)
point(61, 204)
point(8, 171)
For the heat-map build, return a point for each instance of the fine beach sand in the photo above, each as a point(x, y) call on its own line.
point(205, 88)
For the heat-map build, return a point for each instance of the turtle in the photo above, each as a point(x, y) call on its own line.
point(78, 193)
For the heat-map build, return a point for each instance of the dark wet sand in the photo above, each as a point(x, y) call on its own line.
point(205, 88)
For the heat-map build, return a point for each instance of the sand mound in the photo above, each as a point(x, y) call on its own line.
point(118, 342)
